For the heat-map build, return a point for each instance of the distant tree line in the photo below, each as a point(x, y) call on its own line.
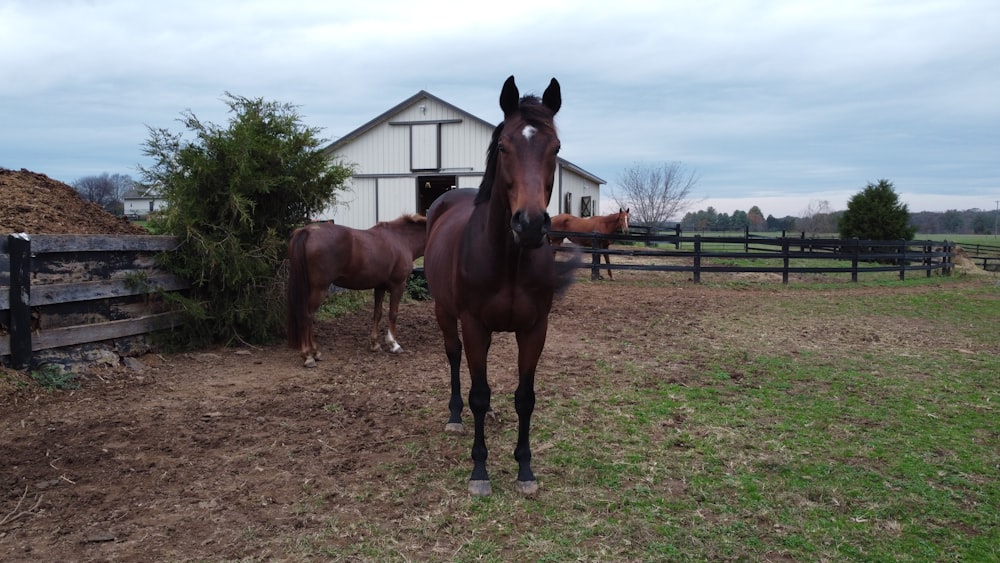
point(819, 219)
point(712, 220)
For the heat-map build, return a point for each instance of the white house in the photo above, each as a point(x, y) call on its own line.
point(414, 152)
point(141, 201)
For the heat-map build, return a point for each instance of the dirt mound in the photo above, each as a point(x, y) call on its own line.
point(964, 264)
point(36, 204)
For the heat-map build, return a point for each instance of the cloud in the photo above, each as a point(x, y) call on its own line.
point(774, 100)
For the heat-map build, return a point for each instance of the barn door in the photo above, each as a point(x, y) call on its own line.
point(425, 153)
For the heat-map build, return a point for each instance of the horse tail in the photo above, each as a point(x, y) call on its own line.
point(566, 270)
point(298, 288)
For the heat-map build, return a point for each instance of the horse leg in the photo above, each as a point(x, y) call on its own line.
point(309, 350)
point(395, 295)
point(453, 350)
point(376, 319)
point(477, 344)
point(529, 350)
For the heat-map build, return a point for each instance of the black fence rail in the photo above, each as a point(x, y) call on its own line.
point(779, 255)
point(986, 255)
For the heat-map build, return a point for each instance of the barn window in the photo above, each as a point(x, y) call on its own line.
point(586, 206)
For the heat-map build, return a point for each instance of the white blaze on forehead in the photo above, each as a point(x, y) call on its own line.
point(528, 132)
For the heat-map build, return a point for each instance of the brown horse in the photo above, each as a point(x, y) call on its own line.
point(602, 224)
point(488, 266)
point(379, 258)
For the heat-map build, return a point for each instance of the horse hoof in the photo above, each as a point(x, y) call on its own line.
point(454, 428)
point(480, 488)
point(396, 349)
point(375, 348)
point(526, 488)
point(310, 363)
point(492, 416)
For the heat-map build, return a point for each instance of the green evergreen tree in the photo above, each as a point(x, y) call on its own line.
point(234, 195)
point(876, 213)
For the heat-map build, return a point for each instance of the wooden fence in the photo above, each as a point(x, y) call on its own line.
point(781, 255)
point(80, 295)
point(986, 255)
point(67, 296)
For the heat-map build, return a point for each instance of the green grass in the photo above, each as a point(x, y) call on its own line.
point(755, 453)
point(53, 377)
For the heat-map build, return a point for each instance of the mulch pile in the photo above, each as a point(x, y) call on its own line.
point(33, 203)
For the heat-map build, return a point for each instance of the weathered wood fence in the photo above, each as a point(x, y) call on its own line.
point(750, 253)
point(83, 295)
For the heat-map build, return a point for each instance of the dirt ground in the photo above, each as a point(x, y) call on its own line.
point(179, 458)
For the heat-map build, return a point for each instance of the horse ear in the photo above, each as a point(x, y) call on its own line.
point(552, 98)
point(509, 96)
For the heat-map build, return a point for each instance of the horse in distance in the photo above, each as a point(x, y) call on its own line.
point(601, 224)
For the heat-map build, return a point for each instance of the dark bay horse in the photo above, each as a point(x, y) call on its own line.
point(488, 266)
point(379, 258)
point(603, 224)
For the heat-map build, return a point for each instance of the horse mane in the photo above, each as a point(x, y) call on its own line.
point(534, 113)
point(411, 218)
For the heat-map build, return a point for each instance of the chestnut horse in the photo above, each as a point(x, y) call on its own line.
point(379, 258)
point(488, 266)
point(603, 224)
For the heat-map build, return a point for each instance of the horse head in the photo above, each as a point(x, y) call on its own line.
point(525, 146)
point(623, 215)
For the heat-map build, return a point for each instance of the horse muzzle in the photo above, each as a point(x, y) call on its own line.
point(530, 232)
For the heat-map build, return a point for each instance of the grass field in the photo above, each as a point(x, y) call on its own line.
point(822, 454)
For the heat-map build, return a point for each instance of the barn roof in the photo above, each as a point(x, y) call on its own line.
point(425, 95)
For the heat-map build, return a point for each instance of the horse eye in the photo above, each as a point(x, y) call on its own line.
point(500, 147)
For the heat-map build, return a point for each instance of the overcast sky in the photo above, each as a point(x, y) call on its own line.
point(782, 105)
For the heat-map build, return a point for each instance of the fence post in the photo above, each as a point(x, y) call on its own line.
point(928, 261)
point(856, 249)
point(902, 260)
point(19, 248)
point(746, 239)
point(677, 242)
point(697, 259)
point(595, 259)
point(784, 253)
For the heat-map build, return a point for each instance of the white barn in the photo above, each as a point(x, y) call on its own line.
point(411, 154)
point(141, 201)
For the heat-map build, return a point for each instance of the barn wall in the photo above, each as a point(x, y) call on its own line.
point(355, 206)
point(396, 196)
point(463, 148)
point(579, 187)
point(384, 150)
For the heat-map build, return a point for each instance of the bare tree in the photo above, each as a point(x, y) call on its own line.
point(817, 218)
point(655, 193)
point(105, 190)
